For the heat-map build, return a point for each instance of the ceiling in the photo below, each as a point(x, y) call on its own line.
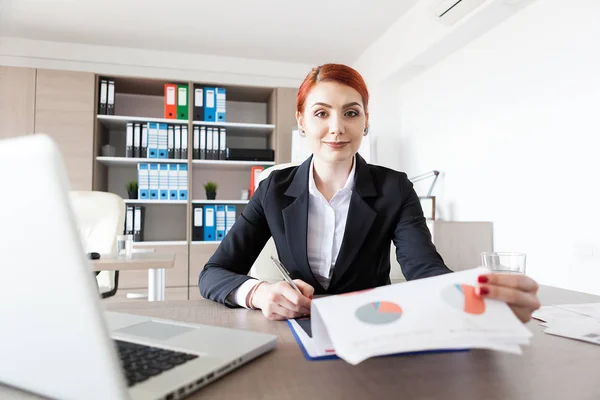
point(306, 31)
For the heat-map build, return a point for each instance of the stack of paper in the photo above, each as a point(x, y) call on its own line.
point(434, 314)
point(575, 321)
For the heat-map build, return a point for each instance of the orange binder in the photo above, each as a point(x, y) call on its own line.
point(254, 174)
point(170, 101)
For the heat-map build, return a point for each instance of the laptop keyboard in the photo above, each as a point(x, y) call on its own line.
point(141, 362)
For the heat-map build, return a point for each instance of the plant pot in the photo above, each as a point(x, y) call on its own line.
point(211, 195)
point(132, 194)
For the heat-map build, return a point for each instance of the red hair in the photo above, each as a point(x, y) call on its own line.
point(332, 73)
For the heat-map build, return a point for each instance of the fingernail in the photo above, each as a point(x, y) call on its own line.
point(482, 279)
point(310, 297)
point(484, 291)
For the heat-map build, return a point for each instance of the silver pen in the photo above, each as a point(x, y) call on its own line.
point(285, 273)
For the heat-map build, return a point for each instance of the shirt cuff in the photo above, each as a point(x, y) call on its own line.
point(238, 295)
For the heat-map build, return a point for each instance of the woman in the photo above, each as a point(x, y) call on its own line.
point(332, 218)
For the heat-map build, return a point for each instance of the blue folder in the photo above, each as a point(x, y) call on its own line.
point(334, 357)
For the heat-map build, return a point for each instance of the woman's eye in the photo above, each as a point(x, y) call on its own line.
point(320, 114)
point(351, 113)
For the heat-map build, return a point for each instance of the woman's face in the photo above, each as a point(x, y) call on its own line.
point(334, 121)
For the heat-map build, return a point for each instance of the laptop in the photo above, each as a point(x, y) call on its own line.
point(56, 340)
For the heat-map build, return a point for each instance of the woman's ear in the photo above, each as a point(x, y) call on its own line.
point(300, 120)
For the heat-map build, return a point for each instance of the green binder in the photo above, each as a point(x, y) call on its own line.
point(182, 102)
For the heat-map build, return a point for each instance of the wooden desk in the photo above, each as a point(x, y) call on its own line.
point(550, 367)
point(155, 263)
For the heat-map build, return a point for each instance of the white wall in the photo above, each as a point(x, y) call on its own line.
point(512, 121)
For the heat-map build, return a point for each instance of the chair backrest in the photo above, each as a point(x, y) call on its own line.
point(100, 217)
point(263, 269)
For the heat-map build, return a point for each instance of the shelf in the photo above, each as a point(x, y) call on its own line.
point(121, 161)
point(151, 202)
point(201, 243)
point(240, 128)
point(219, 201)
point(162, 243)
point(120, 122)
point(229, 164)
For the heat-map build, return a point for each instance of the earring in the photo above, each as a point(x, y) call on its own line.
point(366, 131)
point(302, 133)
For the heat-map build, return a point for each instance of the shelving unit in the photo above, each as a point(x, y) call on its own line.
point(155, 202)
point(131, 161)
point(119, 122)
point(219, 201)
point(257, 117)
point(229, 164)
point(161, 243)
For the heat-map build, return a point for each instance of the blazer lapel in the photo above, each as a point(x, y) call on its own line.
point(295, 221)
point(359, 221)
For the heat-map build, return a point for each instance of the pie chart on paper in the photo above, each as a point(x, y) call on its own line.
point(379, 313)
point(463, 298)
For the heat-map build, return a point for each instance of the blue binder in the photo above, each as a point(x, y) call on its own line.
point(163, 182)
point(152, 140)
point(220, 216)
point(333, 356)
point(183, 181)
point(143, 181)
point(173, 182)
point(210, 104)
point(153, 181)
point(230, 211)
point(209, 223)
point(220, 95)
point(163, 141)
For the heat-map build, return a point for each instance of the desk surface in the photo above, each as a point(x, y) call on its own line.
point(137, 261)
point(550, 367)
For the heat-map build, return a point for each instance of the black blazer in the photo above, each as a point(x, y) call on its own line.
point(383, 207)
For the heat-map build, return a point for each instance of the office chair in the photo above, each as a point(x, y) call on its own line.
point(263, 269)
point(100, 218)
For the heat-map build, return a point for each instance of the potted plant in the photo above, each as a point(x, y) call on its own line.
point(132, 189)
point(211, 190)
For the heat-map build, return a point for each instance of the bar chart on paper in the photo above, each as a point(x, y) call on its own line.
point(379, 312)
point(463, 298)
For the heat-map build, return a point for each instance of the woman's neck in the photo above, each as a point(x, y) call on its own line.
point(331, 177)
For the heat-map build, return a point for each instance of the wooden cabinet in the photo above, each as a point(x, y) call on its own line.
point(17, 101)
point(64, 109)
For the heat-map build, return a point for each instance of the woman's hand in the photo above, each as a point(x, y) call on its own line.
point(279, 301)
point(518, 291)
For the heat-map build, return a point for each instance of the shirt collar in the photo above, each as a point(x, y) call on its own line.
point(312, 187)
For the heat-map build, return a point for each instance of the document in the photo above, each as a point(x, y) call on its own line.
point(574, 321)
point(441, 313)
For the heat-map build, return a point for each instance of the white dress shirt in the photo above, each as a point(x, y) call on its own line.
point(325, 231)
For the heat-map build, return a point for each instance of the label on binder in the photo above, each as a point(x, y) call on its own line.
point(198, 216)
point(182, 98)
point(170, 95)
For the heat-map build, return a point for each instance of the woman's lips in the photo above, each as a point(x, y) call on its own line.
point(336, 145)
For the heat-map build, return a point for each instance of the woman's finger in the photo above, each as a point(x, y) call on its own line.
point(513, 297)
point(284, 313)
point(280, 298)
point(515, 281)
point(305, 288)
point(524, 314)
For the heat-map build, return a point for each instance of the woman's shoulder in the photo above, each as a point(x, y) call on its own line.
point(386, 174)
